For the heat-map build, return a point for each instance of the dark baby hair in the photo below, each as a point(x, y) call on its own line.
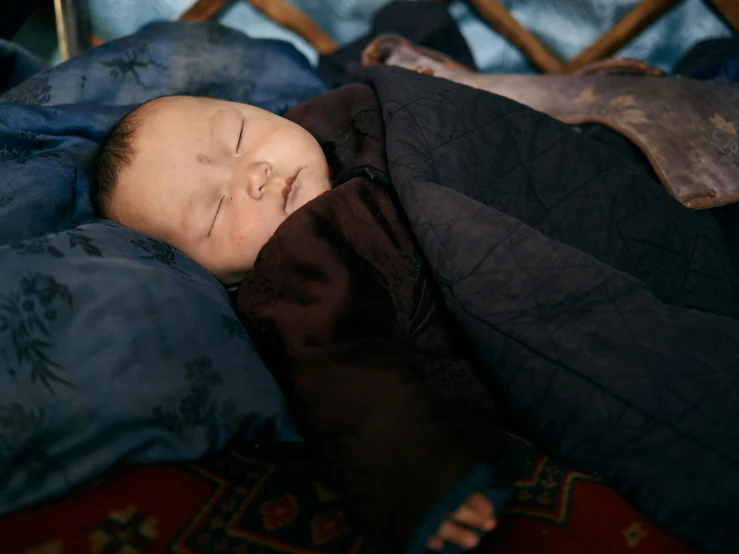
point(115, 152)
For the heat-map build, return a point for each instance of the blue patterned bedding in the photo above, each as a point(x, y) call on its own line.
point(113, 346)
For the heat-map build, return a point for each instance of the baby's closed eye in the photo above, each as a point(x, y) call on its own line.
point(218, 210)
point(241, 135)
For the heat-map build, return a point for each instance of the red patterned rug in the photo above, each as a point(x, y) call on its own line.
point(267, 501)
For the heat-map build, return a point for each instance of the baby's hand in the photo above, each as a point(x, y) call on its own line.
point(476, 512)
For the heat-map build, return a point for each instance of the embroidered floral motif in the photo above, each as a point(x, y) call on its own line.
point(26, 314)
point(198, 407)
point(8, 153)
point(34, 91)
point(622, 107)
point(134, 61)
point(159, 251)
point(41, 246)
point(31, 146)
point(21, 155)
point(33, 137)
point(726, 138)
point(240, 82)
point(77, 238)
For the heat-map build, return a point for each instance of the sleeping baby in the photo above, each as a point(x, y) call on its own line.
point(298, 215)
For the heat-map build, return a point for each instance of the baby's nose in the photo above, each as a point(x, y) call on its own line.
point(257, 176)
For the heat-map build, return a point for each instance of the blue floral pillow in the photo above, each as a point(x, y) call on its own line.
point(114, 346)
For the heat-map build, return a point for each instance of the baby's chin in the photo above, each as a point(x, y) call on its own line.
point(232, 280)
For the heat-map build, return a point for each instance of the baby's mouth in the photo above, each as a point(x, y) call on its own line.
point(287, 189)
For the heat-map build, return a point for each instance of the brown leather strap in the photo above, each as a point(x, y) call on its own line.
point(380, 48)
point(620, 66)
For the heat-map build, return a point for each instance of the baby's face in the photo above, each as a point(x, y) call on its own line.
point(215, 179)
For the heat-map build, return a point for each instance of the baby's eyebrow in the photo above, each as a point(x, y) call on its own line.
point(203, 159)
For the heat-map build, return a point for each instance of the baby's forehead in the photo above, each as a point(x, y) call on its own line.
point(177, 116)
point(166, 135)
point(161, 127)
point(166, 107)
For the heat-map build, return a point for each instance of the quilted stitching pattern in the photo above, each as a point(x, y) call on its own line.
point(598, 303)
point(570, 189)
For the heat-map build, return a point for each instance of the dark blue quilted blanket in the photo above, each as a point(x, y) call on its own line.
point(113, 346)
point(603, 310)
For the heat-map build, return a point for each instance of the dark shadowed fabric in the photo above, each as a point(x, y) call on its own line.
point(592, 297)
point(601, 309)
point(346, 314)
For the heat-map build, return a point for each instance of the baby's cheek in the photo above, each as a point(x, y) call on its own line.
point(248, 242)
point(240, 243)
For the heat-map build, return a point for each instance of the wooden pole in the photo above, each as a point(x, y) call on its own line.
point(502, 21)
point(72, 27)
point(633, 23)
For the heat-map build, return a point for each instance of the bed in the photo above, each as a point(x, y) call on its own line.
point(203, 457)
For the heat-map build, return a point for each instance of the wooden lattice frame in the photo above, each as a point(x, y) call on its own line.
point(639, 18)
point(624, 31)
